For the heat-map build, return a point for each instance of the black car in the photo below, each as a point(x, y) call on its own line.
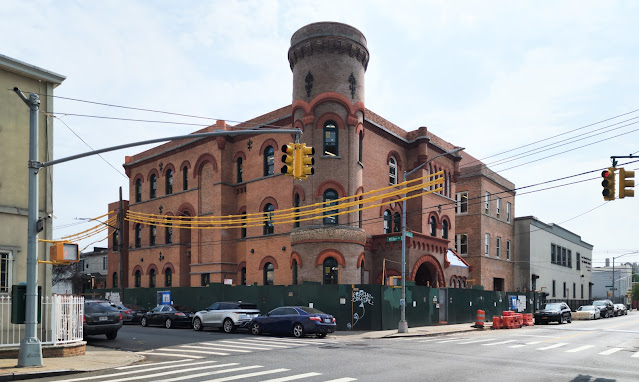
point(169, 316)
point(131, 314)
point(296, 320)
point(101, 318)
point(606, 307)
point(554, 311)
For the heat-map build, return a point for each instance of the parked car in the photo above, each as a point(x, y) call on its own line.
point(606, 307)
point(101, 318)
point(131, 314)
point(622, 309)
point(227, 316)
point(169, 316)
point(296, 320)
point(554, 311)
point(594, 312)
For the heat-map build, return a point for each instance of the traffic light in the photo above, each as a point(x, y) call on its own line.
point(306, 161)
point(289, 159)
point(625, 182)
point(608, 183)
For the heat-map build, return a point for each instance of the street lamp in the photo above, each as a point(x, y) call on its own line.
point(403, 325)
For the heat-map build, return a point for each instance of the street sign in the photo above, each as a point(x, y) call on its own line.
point(393, 238)
point(409, 234)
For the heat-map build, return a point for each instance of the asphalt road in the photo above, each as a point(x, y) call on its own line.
point(583, 351)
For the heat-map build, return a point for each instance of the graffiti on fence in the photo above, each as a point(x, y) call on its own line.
point(362, 297)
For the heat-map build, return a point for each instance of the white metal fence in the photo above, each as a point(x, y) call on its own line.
point(61, 321)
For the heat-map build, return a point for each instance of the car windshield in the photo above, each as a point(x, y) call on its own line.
point(599, 303)
point(247, 306)
point(310, 310)
point(587, 307)
point(553, 306)
point(99, 307)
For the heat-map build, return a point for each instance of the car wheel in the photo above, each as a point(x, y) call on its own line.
point(298, 330)
point(197, 324)
point(320, 335)
point(561, 320)
point(228, 326)
point(143, 321)
point(168, 323)
point(255, 329)
point(606, 315)
point(537, 322)
point(570, 319)
point(112, 335)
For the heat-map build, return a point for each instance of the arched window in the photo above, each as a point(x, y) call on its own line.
point(168, 231)
point(297, 209)
point(433, 226)
point(153, 231)
point(115, 279)
point(397, 222)
point(361, 147)
point(445, 229)
point(238, 168)
point(269, 161)
point(388, 228)
point(243, 276)
point(138, 190)
point(269, 227)
point(138, 279)
point(331, 271)
point(152, 278)
point(154, 187)
point(168, 277)
point(392, 171)
point(360, 213)
point(329, 196)
point(243, 232)
point(330, 139)
point(362, 274)
point(138, 235)
point(269, 273)
point(294, 271)
point(185, 178)
point(169, 182)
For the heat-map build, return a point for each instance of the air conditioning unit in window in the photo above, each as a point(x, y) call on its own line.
point(188, 253)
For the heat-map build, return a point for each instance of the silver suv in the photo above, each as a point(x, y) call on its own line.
point(226, 315)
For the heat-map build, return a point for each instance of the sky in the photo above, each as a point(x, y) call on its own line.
point(492, 76)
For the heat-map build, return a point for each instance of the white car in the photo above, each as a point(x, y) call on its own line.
point(227, 316)
point(592, 310)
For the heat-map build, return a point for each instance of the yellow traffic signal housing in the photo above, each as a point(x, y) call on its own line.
point(395, 281)
point(625, 183)
point(608, 183)
point(289, 159)
point(306, 161)
point(64, 253)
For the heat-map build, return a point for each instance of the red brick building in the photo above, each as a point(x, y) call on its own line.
point(357, 151)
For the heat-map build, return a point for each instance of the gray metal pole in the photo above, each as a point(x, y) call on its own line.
point(121, 246)
point(613, 280)
point(30, 353)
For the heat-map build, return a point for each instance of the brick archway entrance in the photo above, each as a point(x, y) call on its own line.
point(428, 272)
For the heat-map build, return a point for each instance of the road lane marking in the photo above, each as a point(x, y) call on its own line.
point(610, 351)
point(239, 345)
point(552, 346)
point(195, 351)
point(294, 377)
point(248, 375)
point(185, 361)
point(475, 341)
point(256, 343)
point(526, 344)
point(429, 340)
point(158, 352)
point(192, 376)
point(343, 380)
point(223, 348)
point(444, 341)
point(636, 355)
point(580, 348)
point(294, 342)
point(499, 343)
point(152, 368)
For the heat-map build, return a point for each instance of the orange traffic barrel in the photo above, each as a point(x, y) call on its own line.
point(507, 313)
point(497, 322)
point(479, 320)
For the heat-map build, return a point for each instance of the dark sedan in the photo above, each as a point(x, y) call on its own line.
point(606, 306)
point(555, 311)
point(131, 314)
point(169, 316)
point(101, 318)
point(296, 320)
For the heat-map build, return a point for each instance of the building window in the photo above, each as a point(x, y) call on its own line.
point(116, 240)
point(331, 271)
point(105, 262)
point(553, 256)
point(269, 273)
point(138, 235)
point(269, 227)
point(294, 271)
point(487, 203)
point(154, 187)
point(330, 139)
point(168, 277)
point(508, 212)
point(498, 247)
point(569, 259)
point(445, 229)
point(239, 170)
point(574, 290)
point(297, 210)
point(138, 279)
point(578, 261)
point(582, 291)
point(205, 279)
point(387, 221)
point(330, 200)
point(361, 147)
point(152, 234)
point(185, 178)
point(397, 222)
point(461, 244)
point(433, 226)
point(564, 289)
point(462, 202)
point(243, 232)
point(564, 259)
point(360, 214)
point(115, 280)
point(498, 206)
point(168, 231)
point(507, 249)
point(554, 288)
point(169, 182)
point(138, 190)
point(269, 161)
point(152, 278)
point(392, 171)
point(487, 244)
point(243, 276)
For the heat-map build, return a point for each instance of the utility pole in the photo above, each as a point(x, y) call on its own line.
point(30, 353)
point(121, 246)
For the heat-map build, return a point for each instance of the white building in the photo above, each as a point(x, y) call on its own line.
point(553, 260)
point(602, 279)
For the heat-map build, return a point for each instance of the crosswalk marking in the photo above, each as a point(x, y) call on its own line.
point(610, 351)
point(580, 348)
point(453, 340)
point(215, 348)
point(183, 361)
point(343, 380)
point(526, 344)
point(248, 375)
point(191, 376)
point(429, 340)
point(636, 355)
point(190, 370)
point(475, 341)
point(295, 341)
point(201, 351)
point(243, 345)
point(552, 346)
point(294, 377)
point(258, 343)
point(159, 352)
point(153, 368)
point(499, 343)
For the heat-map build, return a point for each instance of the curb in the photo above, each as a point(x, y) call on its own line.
point(42, 374)
point(397, 335)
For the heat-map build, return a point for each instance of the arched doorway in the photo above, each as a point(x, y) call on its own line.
point(426, 275)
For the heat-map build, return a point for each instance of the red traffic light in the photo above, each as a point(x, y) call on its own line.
point(605, 173)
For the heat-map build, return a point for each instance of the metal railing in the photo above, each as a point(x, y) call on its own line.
point(61, 321)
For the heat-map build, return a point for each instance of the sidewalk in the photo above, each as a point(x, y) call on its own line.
point(100, 359)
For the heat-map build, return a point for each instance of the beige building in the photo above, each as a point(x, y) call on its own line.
point(14, 156)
